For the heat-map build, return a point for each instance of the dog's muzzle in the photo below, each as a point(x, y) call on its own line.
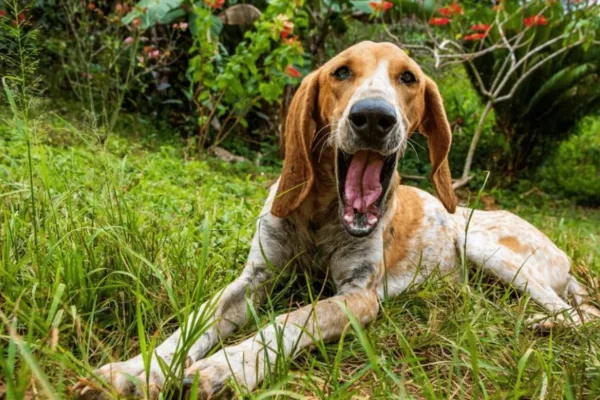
point(366, 164)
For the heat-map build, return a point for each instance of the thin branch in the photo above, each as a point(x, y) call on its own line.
point(536, 66)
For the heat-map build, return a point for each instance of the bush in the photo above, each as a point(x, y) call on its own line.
point(571, 170)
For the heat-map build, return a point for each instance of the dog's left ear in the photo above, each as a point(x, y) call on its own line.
point(297, 177)
point(436, 128)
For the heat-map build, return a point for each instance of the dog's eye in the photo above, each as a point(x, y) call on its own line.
point(407, 77)
point(342, 73)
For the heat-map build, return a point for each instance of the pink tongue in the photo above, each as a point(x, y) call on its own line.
point(363, 186)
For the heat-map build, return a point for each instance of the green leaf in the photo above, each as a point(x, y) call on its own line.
point(151, 12)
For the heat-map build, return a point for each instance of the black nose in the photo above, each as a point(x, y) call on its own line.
point(372, 118)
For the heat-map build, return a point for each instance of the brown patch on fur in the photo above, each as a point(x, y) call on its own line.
point(405, 224)
point(513, 244)
point(436, 128)
point(297, 176)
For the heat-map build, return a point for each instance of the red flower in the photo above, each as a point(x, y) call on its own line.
point(2, 13)
point(452, 9)
point(446, 12)
point(439, 21)
point(480, 27)
point(293, 72)
point(536, 20)
point(476, 36)
point(214, 4)
point(380, 6)
point(21, 17)
point(456, 8)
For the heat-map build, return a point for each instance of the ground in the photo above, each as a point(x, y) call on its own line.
point(116, 240)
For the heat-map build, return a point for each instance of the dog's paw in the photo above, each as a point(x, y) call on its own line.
point(115, 378)
point(125, 379)
point(212, 374)
point(540, 322)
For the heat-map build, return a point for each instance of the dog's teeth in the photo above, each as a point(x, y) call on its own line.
point(348, 218)
point(372, 220)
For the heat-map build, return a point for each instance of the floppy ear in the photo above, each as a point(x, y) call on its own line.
point(436, 128)
point(297, 177)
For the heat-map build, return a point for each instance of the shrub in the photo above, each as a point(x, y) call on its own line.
point(573, 170)
point(535, 63)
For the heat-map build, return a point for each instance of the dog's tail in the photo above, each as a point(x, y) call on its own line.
point(581, 295)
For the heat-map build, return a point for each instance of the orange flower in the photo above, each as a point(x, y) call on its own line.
point(91, 6)
point(214, 4)
point(439, 21)
point(380, 6)
point(293, 72)
point(480, 27)
point(456, 8)
point(476, 36)
point(498, 7)
point(136, 22)
point(452, 9)
point(536, 20)
point(293, 41)
point(288, 29)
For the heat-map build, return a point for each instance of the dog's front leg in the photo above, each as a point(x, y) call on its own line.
point(356, 269)
point(248, 362)
point(214, 320)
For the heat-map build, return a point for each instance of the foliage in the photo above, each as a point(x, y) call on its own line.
point(102, 58)
point(569, 169)
point(555, 80)
point(226, 87)
point(19, 61)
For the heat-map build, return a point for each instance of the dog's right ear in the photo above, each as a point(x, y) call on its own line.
point(297, 176)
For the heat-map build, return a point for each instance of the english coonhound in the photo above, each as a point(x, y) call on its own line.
point(340, 193)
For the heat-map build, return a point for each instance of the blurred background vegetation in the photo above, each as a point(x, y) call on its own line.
point(220, 75)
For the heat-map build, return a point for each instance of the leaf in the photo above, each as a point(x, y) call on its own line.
point(151, 12)
point(362, 6)
point(216, 26)
point(240, 14)
point(561, 81)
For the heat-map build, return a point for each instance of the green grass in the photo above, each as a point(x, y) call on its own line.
point(117, 238)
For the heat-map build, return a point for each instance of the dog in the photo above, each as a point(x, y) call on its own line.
point(339, 194)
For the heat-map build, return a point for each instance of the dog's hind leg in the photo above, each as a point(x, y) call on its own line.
point(519, 254)
point(214, 320)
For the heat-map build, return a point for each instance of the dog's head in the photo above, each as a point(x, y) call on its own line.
point(368, 99)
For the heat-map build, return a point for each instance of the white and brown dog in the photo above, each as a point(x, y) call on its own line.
point(339, 192)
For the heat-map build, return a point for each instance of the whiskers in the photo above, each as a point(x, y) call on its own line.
point(326, 139)
point(412, 143)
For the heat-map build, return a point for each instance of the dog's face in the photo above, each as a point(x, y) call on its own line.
point(369, 99)
point(370, 95)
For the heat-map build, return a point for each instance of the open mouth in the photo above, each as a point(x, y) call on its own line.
point(363, 181)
